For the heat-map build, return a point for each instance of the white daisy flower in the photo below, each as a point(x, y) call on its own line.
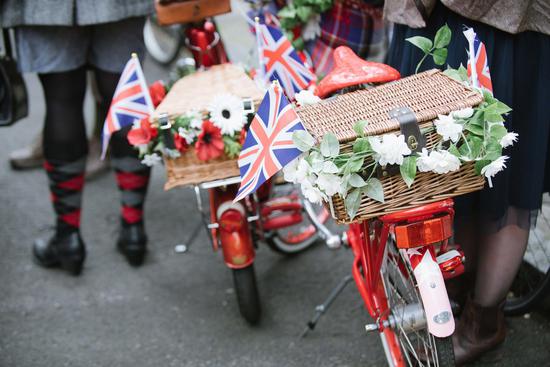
point(463, 113)
point(390, 149)
point(227, 113)
point(151, 159)
point(448, 128)
point(305, 97)
point(493, 168)
point(508, 140)
point(329, 183)
point(188, 135)
point(312, 29)
point(297, 170)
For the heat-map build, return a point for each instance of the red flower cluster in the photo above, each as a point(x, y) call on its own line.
point(157, 90)
point(209, 142)
point(180, 143)
point(143, 135)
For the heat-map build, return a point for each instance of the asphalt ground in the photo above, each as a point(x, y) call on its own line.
point(178, 309)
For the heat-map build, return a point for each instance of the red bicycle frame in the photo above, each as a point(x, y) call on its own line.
point(368, 240)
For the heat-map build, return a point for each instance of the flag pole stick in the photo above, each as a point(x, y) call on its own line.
point(259, 45)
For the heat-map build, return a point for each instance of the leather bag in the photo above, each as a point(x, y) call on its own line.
point(13, 93)
point(187, 11)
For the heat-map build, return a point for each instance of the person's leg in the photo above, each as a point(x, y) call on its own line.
point(500, 254)
point(132, 178)
point(65, 150)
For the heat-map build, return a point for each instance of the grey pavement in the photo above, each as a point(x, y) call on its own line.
point(178, 309)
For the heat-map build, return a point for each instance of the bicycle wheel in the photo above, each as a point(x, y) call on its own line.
point(532, 283)
point(407, 320)
point(247, 293)
point(162, 43)
point(294, 239)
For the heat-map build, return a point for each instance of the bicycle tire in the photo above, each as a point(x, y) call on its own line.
point(417, 346)
point(516, 306)
point(152, 44)
point(248, 297)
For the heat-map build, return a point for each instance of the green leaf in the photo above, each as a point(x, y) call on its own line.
point(463, 72)
point(356, 181)
point(480, 164)
point(408, 170)
point(453, 73)
point(502, 108)
point(329, 167)
point(231, 147)
point(454, 151)
point(330, 146)
point(440, 56)
point(476, 144)
point(304, 13)
point(316, 161)
point(298, 43)
point(374, 190)
point(354, 164)
point(498, 131)
point(474, 129)
point(352, 202)
point(493, 150)
point(303, 140)
point(488, 97)
point(442, 37)
point(359, 127)
point(361, 145)
point(422, 43)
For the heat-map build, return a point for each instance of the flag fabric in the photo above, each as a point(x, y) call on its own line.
point(131, 101)
point(268, 146)
point(478, 65)
point(280, 61)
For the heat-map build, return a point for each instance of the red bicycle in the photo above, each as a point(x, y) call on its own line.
point(274, 215)
point(400, 263)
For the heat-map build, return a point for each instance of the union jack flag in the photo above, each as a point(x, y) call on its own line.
point(478, 65)
point(130, 102)
point(280, 61)
point(268, 146)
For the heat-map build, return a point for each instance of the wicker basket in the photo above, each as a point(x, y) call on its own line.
point(194, 92)
point(427, 95)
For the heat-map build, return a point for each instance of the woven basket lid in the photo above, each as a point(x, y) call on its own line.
point(195, 91)
point(427, 94)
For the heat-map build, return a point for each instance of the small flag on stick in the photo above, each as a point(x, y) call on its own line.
point(478, 65)
point(268, 146)
point(130, 102)
point(280, 61)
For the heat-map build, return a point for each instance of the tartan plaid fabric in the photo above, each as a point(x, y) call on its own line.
point(353, 23)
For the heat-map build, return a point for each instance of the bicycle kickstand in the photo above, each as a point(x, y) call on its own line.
point(322, 308)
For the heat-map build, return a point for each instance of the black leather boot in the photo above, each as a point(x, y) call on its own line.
point(132, 243)
point(66, 251)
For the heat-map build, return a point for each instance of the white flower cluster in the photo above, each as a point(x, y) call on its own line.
point(316, 186)
point(390, 149)
point(437, 161)
point(305, 97)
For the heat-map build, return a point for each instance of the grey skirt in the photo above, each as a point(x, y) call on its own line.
point(54, 49)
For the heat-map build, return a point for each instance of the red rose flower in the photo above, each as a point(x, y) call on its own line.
point(180, 143)
point(209, 142)
point(143, 135)
point(157, 90)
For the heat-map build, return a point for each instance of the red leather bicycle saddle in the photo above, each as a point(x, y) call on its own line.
point(349, 69)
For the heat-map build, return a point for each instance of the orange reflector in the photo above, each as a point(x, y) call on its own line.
point(423, 233)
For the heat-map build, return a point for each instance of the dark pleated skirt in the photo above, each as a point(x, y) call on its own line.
point(520, 73)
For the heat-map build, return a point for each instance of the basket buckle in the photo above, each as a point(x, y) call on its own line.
point(409, 127)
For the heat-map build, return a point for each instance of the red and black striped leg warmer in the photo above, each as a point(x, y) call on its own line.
point(132, 178)
point(66, 180)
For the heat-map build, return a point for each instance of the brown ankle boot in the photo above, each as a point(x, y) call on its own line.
point(479, 330)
